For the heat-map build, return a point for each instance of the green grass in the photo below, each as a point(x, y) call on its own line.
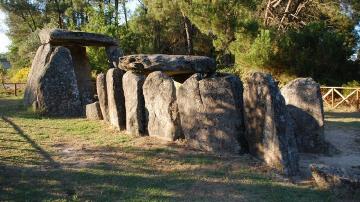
point(48, 159)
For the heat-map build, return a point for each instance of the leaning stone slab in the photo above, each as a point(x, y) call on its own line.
point(134, 103)
point(116, 100)
point(160, 102)
point(269, 127)
point(93, 111)
point(305, 104)
point(339, 180)
point(102, 95)
point(52, 83)
point(211, 112)
point(169, 64)
point(63, 38)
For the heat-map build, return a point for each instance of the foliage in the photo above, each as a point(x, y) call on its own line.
point(317, 42)
point(20, 76)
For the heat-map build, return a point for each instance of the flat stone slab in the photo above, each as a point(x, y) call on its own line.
point(59, 37)
point(169, 64)
point(339, 180)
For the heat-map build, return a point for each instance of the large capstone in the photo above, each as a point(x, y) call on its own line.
point(93, 111)
point(169, 64)
point(102, 95)
point(83, 74)
point(116, 100)
point(304, 102)
point(69, 38)
point(160, 102)
point(269, 127)
point(134, 103)
point(52, 83)
point(211, 112)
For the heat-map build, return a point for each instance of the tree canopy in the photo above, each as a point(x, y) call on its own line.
point(288, 38)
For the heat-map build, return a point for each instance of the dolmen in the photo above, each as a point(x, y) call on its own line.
point(59, 82)
point(173, 97)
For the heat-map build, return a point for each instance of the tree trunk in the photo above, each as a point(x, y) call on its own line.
point(125, 12)
point(116, 13)
point(189, 33)
point(157, 37)
point(60, 22)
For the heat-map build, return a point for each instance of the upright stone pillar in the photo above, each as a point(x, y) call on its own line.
point(116, 100)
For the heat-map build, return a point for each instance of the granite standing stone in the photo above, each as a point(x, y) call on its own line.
point(136, 122)
point(93, 111)
point(160, 102)
point(52, 83)
point(269, 126)
point(82, 70)
point(304, 102)
point(116, 100)
point(211, 112)
point(102, 95)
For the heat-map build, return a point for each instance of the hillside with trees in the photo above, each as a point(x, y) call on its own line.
point(289, 38)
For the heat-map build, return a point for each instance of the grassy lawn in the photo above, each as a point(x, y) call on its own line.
point(47, 159)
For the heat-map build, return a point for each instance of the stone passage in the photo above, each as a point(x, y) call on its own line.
point(160, 101)
point(116, 100)
point(81, 93)
point(136, 122)
point(52, 86)
point(304, 102)
point(269, 127)
point(211, 112)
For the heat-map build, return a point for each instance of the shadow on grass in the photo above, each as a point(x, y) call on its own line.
point(349, 120)
point(132, 173)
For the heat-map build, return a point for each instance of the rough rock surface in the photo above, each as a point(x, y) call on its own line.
point(134, 103)
point(52, 83)
point(160, 102)
point(102, 95)
point(93, 111)
point(116, 100)
point(269, 127)
point(339, 180)
point(211, 112)
point(169, 64)
point(113, 53)
point(64, 38)
point(304, 102)
point(82, 70)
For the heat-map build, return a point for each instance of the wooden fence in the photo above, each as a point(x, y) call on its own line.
point(13, 88)
point(336, 96)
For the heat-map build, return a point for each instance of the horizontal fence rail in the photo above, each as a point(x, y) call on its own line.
point(12, 88)
point(337, 96)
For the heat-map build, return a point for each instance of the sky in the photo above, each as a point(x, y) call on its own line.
point(5, 42)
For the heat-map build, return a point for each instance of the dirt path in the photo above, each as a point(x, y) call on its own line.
point(345, 138)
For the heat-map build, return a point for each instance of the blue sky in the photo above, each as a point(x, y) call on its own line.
point(5, 42)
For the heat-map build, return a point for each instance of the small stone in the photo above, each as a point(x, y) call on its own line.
point(93, 111)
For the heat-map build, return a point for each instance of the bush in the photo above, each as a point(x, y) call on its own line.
point(20, 76)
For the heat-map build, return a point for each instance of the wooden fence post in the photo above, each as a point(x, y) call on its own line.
point(15, 89)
